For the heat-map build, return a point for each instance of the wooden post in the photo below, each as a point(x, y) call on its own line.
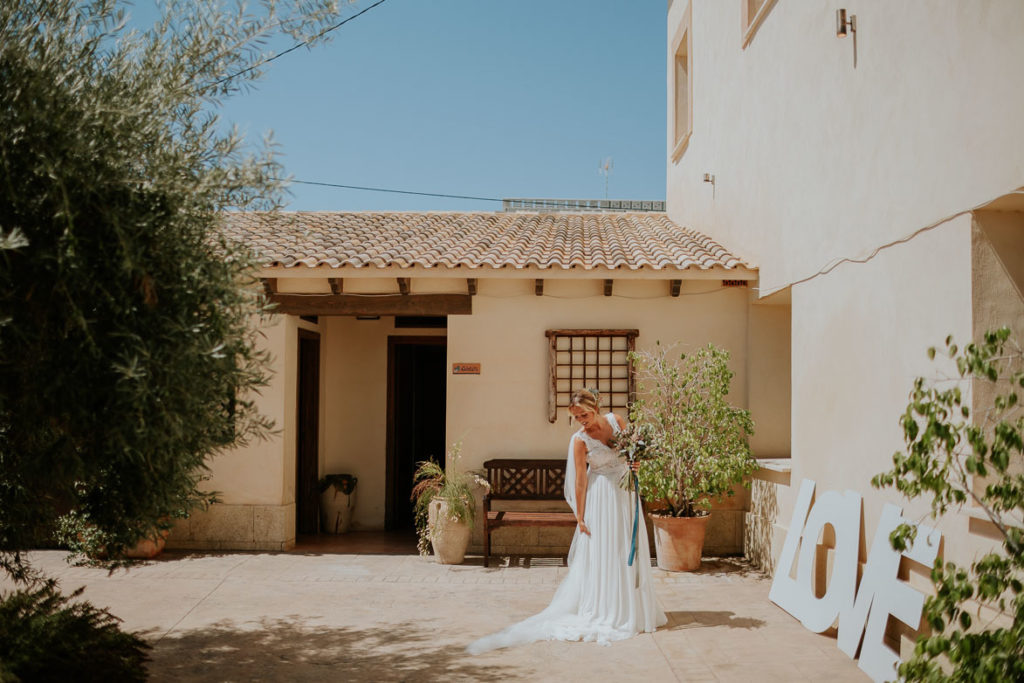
point(553, 379)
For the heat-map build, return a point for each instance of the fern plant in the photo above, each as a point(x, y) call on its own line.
point(453, 486)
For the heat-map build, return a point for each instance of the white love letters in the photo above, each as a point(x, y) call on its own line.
point(860, 611)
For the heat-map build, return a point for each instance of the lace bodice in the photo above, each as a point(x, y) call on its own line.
point(602, 458)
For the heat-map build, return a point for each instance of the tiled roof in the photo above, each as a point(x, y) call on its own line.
point(630, 241)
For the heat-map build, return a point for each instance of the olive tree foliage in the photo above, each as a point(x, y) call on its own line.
point(695, 441)
point(956, 458)
point(126, 354)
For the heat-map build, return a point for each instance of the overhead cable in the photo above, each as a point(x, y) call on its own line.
point(384, 189)
point(301, 44)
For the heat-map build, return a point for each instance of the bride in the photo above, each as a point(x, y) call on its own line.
point(603, 597)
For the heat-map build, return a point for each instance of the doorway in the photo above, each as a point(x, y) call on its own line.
point(417, 378)
point(307, 492)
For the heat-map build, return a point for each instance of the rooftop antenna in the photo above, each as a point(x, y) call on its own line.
point(605, 169)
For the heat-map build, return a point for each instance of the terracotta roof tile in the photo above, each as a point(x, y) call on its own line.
point(631, 241)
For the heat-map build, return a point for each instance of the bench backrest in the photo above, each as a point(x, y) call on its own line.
point(513, 479)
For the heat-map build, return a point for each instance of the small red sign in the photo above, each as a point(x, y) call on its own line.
point(465, 368)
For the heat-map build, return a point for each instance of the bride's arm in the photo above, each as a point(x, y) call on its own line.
point(579, 455)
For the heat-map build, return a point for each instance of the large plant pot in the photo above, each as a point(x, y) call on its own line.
point(679, 541)
point(148, 548)
point(336, 510)
point(448, 537)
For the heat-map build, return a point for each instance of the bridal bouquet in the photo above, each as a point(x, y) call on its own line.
point(632, 445)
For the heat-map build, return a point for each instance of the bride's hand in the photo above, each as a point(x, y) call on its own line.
point(583, 528)
point(635, 466)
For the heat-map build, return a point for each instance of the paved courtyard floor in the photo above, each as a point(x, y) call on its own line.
point(368, 610)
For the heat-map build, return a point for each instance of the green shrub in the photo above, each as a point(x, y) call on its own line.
point(48, 636)
point(953, 457)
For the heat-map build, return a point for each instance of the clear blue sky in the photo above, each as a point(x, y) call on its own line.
point(470, 97)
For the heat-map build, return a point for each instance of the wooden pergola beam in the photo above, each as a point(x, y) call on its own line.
point(471, 285)
point(608, 287)
point(337, 285)
point(403, 285)
point(270, 286)
point(676, 286)
point(538, 287)
point(391, 304)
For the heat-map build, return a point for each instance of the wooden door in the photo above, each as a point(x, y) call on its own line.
point(417, 378)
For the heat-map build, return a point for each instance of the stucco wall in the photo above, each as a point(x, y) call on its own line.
point(503, 411)
point(815, 159)
point(255, 484)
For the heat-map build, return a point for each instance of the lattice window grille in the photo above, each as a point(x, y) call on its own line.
point(593, 359)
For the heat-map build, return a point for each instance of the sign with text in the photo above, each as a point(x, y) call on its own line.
point(465, 368)
point(861, 611)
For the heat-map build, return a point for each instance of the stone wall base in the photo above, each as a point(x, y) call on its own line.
point(236, 527)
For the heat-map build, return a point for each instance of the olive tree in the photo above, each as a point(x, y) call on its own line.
point(956, 456)
point(127, 353)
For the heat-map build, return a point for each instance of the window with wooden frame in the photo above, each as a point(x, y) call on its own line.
point(682, 86)
point(592, 359)
point(754, 12)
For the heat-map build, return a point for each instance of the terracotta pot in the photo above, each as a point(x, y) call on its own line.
point(679, 541)
point(336, 510)
point(448, 537)
point(148, 548)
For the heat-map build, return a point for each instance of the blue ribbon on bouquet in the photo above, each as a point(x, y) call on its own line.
point(636, 518)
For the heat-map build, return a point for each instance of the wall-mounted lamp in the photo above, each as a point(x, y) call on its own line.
point(710, 178)
point(842, 23)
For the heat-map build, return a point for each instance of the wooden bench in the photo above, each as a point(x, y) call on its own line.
point(512, 479)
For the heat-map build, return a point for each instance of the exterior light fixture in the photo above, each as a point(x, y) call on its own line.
point(710, 178)
point(842, 23)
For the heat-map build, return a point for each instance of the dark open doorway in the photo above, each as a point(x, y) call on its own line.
point(307, 493)
point(417, 376)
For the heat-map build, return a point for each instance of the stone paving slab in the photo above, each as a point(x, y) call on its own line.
point(366, 617)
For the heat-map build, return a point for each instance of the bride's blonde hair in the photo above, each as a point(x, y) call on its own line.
point(589, 399)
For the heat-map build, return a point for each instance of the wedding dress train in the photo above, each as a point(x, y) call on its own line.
point(602, 598)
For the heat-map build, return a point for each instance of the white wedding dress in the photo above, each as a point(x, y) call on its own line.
point(602, 598)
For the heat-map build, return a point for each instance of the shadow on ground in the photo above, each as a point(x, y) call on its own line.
point(284, 650)
point(691, 619)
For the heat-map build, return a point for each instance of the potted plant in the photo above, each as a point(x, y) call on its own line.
point(337, 501)
point(696, 446)
point(445, 507)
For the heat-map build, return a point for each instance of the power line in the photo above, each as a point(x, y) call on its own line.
point(302, 44)
point(384, 189)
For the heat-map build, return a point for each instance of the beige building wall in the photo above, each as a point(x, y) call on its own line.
point(255, 484)
point(816, 159)
point(503, 412)
point(853, 186)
